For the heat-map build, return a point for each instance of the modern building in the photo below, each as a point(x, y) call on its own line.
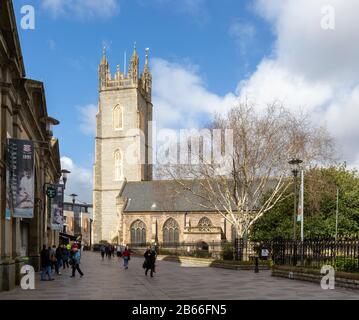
point(23, 115)
point(129, 206)
point(77, 222)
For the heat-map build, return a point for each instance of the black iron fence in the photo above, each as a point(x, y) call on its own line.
point(342, 254)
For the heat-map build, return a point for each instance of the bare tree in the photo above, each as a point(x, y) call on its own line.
point(257, 173)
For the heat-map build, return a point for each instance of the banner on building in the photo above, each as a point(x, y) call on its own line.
point(20, 178)
point(9, 204)
point(57, 208)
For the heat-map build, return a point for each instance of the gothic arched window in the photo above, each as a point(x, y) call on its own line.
point(204, 224)
point(170, 231)
point(118, 118)
point(118, 162)
point(138, 233)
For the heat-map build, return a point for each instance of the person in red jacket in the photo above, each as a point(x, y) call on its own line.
point(126, 257)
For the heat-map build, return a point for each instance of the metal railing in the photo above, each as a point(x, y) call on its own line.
point(342, 254)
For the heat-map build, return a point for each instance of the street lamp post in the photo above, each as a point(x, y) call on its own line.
point(337, 215)
point(64, 174)
point(295, 164)
point(74, 195)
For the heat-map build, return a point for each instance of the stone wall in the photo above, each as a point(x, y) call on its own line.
point(136, 112)
point(156, 221)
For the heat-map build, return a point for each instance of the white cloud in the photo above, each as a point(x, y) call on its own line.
point(180, 97)
point(244, 34)
point(82, 9)
point(312, 68)
point(87, 119)
point(79, 180)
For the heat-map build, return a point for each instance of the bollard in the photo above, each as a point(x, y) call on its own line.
point(256, 269)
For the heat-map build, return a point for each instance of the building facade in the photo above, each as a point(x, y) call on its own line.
point(129, 207)
point(23, 115)
point(123, 148)
point(79, 224)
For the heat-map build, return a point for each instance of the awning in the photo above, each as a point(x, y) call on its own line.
point(68, 236)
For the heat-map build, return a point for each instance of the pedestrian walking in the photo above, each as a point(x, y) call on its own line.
point(107, 250)
point(103, 251)
point(52, 252)
point(65, 257)
point(118, 252)
point(126, 257)
point(150, 260)
point(45, 264)
point(113, 251)
point(75, 261)
point(59, 263)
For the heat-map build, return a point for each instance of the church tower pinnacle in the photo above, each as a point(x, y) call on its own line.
point(134, 65)
point(104, 70)
point(123, 139)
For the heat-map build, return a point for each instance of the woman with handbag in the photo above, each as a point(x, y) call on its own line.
point(150, 260)
point(126, 257)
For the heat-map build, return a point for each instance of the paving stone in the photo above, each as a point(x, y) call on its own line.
point(107, 280)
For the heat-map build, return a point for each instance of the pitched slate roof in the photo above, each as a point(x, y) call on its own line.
point(166, 196)
point(159, 196)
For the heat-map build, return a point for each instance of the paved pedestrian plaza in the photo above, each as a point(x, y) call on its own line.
point(108, 280)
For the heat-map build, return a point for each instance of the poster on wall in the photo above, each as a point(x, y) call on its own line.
point(57, 209)
point(20, 178)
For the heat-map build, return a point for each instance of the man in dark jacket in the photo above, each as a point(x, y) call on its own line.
point(45, 264)
point(150, 259)
point(65, 257)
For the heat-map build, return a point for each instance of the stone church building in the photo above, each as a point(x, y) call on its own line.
point(130, 207)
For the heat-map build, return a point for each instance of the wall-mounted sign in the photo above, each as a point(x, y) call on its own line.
point(51, 191)
point(57, 208)
point(20, 178)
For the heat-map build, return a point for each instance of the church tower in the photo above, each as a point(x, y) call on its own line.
point(123, 141)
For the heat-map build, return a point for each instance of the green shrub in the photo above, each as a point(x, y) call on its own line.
point(346, 264)
point(228, 252)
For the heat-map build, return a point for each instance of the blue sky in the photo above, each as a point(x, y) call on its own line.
point(215, 51)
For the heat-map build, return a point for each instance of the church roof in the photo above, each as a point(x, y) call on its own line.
point(160, 196)
point(166, 196)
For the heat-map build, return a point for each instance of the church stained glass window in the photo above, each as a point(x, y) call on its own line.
point(171, 232)
point(205, 224)
point(138, 233)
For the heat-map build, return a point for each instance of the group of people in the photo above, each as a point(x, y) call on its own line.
point(124, 252)
point(108, 250)
point(55, 258)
